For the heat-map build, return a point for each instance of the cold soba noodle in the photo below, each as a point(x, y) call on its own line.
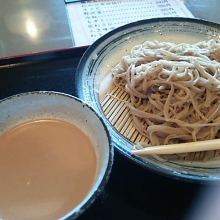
point(174, 90)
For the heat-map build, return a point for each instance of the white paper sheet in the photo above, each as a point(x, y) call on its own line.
point(90, 20)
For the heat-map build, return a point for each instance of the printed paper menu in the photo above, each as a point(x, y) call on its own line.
point(90, 20)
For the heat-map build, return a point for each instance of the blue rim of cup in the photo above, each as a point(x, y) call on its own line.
point(74, 214)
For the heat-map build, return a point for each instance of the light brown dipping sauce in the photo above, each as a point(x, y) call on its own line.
point(47, 167)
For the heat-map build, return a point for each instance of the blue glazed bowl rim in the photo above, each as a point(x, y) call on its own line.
point(122, 150)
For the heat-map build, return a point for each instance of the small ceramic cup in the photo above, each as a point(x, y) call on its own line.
point(25, 107)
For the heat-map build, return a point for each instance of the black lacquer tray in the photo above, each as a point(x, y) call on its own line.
point(132, 192)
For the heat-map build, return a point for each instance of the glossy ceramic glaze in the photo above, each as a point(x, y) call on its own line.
point(33, 106)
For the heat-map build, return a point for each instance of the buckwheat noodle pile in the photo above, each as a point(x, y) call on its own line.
point(174, 90)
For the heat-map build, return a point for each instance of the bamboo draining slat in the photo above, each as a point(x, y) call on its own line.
point(118, 114)
point(116, 111)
